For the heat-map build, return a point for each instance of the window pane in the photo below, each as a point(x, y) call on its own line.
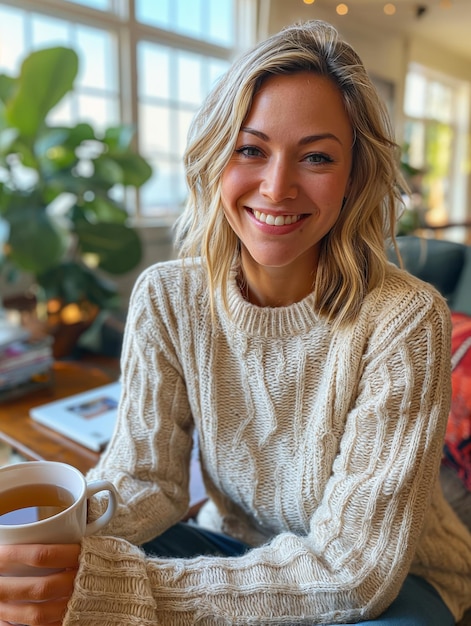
point(183, 124)
point(154, 13)
point(221, 22)
point(12, 41)
point(154, 74)
point(47, 30)
point(98, 111)
point(189, 17)
point(415, 95)
point(189, 78)
point(215, 70)
point(97, 59)
point(63, 113)
point(155, 129)
point(439, 102)
point(414, 133)
point(438, 111)
point(211, 20)
point(171, 85)
point(174, 72)
point(166, 191)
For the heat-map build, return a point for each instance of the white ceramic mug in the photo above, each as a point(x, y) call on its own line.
point(37, 522)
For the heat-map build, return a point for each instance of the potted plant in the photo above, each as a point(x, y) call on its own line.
point(62, 222)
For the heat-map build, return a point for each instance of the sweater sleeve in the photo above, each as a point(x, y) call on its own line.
point(148, 456)
point(363, 535)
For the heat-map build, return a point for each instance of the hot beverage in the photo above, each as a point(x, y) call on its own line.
point(26, 504)
point(47, 502)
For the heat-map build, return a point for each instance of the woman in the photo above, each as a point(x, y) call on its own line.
point(316, 374)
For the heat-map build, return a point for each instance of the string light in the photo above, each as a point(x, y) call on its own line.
point(308, 1)
point(389, 9)
point(342, 9)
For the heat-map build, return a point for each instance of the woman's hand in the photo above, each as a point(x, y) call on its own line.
point(37, 600)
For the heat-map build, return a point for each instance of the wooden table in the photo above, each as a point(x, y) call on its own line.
point(37, 442)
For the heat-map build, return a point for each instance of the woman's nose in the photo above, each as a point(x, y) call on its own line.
point(278, 182)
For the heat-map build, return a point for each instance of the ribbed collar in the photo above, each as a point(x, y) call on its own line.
point(295, 319)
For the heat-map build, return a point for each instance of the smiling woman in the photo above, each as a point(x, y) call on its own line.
point(315, 373)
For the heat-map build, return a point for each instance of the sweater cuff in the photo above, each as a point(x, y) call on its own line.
point(111, 587)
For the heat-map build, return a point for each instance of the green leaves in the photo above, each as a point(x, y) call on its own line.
point(116, 246)
point(75, 282)
point(46, 76)
point(37, 242)
point(57, 186)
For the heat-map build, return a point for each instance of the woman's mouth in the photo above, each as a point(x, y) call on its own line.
point(278, 220)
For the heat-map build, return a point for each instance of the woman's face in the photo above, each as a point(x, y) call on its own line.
point(282, 190)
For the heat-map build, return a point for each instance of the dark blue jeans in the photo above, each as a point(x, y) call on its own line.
point(418, 604)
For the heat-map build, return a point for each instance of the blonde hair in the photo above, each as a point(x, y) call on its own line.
point(352, 258)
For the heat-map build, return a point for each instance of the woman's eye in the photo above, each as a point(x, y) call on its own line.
point(318, 158)
point(248, 151)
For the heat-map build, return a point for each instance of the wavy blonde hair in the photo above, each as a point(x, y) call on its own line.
point(352, 258)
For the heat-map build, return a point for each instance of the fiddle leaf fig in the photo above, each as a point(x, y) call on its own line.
point(46, 76)
point(135, 169)
point(58, 187)
point(38, 243)
point(116, 246)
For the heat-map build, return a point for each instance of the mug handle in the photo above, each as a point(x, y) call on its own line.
point(95, 487)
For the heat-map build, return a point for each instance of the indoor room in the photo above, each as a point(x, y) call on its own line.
point(97, 101)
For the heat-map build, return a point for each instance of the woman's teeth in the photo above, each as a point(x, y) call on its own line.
point(279, 220)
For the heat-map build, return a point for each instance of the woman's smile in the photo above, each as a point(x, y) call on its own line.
point(277, 220)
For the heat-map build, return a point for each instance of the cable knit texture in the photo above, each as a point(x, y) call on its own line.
point(320, 449)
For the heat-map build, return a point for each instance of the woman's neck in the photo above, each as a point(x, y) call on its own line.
point(274, 286)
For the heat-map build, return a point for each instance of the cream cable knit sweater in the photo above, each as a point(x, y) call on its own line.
point(320, 449)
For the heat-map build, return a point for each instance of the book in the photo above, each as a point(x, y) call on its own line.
point(39, 380)
point(10, 332)
point(88, 417)
point(21, 353)
point(25, 365)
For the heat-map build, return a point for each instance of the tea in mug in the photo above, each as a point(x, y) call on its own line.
point(31, 503)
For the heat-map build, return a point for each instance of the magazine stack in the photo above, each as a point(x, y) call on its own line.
point(25, 363)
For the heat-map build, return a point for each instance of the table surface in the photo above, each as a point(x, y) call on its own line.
point(37, 442)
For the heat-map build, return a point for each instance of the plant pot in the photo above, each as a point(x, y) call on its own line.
point(64, 323)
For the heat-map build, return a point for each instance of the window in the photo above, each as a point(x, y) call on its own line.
point(436, 129)
point(151, 68)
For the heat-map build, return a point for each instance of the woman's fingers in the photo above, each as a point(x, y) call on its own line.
point(56, 556)
point(34, 614)
point(26, 589)
point(37, 600)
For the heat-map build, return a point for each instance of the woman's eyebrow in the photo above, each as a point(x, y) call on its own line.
point(257, 133)
point(318, 137)
point(302, 142)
